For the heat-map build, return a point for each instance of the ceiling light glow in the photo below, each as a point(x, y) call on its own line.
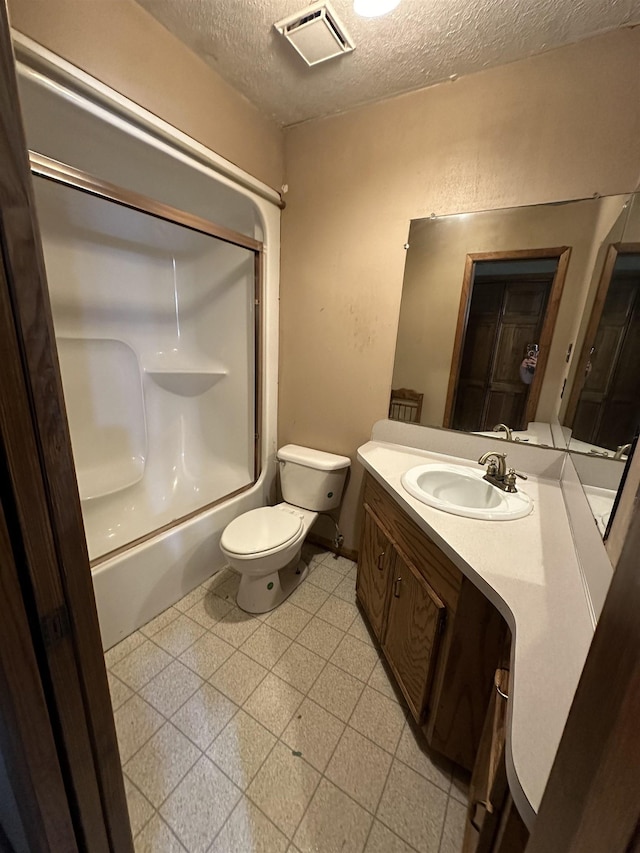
point(374, 8)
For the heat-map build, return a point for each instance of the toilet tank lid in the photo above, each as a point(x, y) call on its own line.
point(318, 459)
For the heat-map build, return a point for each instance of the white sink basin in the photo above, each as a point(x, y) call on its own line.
point(463, 491)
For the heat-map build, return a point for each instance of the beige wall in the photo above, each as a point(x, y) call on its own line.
point(559, 126)
point(433, 279)
point(120, 44)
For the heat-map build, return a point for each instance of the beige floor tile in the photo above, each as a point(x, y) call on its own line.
point(249, 831)
point(356, 658)
point(299, 667)
point(346, 590)
point(236, 627)
point(208, 610)
point(156, 837)
point(460, 785)
point(273, 703)
point(266, 646)
point(314, 732)
point(413, 808)
point(191, 598)
point(123, 648)
point(198, 807)
point(382, 840)
point(161, 763)
point(338, 612)
point(227, 589)
point(311, 551)
point(288, 619)
point(141, 665)
point(171, 688)
point(339, 564)
point(140, 809)
point(378, 718)
point(238, 677)
point(204, 715)
point(308, 597)
point(176, 637)
point(136, 721)
point(337, 691)
point(118, 691)
point(323, 576)
point(333, 823)
point(454, 825)
point(359, 768)
point(206, 655)
point(320, 637)
point(218, 579)
point(413, 750)
point(361, 631)
point(241, 747)
point(161, 621)
point(283, 788)
point(382, 680)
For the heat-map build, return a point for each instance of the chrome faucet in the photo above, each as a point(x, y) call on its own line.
point(503, 428)
point(623, 450)
point(497, 473)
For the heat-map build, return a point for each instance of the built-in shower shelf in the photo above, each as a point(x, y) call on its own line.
point(185, 381)
point(101, 480)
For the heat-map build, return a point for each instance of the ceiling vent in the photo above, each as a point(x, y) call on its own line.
point(316, 33)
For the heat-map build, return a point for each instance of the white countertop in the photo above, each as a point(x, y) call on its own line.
point(529, 570)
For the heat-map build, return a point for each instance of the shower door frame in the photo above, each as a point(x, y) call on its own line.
point(61, 173)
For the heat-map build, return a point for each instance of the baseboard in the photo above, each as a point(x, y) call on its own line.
point(349, 553)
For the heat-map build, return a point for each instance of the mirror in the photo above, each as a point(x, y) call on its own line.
point(497, 323)
point(602, 411)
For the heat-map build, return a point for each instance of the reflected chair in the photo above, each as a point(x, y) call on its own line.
point(405, 405)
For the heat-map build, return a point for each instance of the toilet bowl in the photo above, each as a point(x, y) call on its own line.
point(264, 545)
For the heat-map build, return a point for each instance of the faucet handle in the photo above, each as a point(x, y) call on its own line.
point(510, 478)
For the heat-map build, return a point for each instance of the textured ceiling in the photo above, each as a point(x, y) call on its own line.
point(421, 43)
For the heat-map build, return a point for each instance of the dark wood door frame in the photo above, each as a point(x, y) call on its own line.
point(56, 586)
point(615, 249)
point(562, 253)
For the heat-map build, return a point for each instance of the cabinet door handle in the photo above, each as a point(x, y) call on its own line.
point(396, 587)
point(381, 561)
point(473, 813)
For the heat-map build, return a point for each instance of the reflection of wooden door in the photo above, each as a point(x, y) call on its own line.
point(608, 410)
point(504, 316)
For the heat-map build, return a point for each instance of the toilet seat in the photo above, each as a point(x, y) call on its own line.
point(260, 530)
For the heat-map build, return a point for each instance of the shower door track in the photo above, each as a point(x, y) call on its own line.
point(54, 170)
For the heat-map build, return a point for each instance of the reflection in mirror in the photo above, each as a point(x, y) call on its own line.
point(603, 409)
point(491, 308)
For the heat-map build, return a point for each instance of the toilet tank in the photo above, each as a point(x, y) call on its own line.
point(312, 479)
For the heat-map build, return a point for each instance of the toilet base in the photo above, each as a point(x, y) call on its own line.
point(265, 593)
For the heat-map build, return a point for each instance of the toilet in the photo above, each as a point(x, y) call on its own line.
point(264, 544)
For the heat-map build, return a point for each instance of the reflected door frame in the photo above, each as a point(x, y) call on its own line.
point(562, 254)
point(615, 249)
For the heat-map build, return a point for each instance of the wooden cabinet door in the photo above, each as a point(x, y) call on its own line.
point(375, 561)
point(414, 624)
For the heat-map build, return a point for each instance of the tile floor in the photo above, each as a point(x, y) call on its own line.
point(280, 733)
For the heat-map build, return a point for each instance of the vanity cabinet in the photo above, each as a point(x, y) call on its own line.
point(439, 634)
point(493, 822)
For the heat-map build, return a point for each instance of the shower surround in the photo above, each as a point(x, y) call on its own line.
point(165, 313)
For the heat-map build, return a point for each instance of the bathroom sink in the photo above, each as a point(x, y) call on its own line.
point(463, 491)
